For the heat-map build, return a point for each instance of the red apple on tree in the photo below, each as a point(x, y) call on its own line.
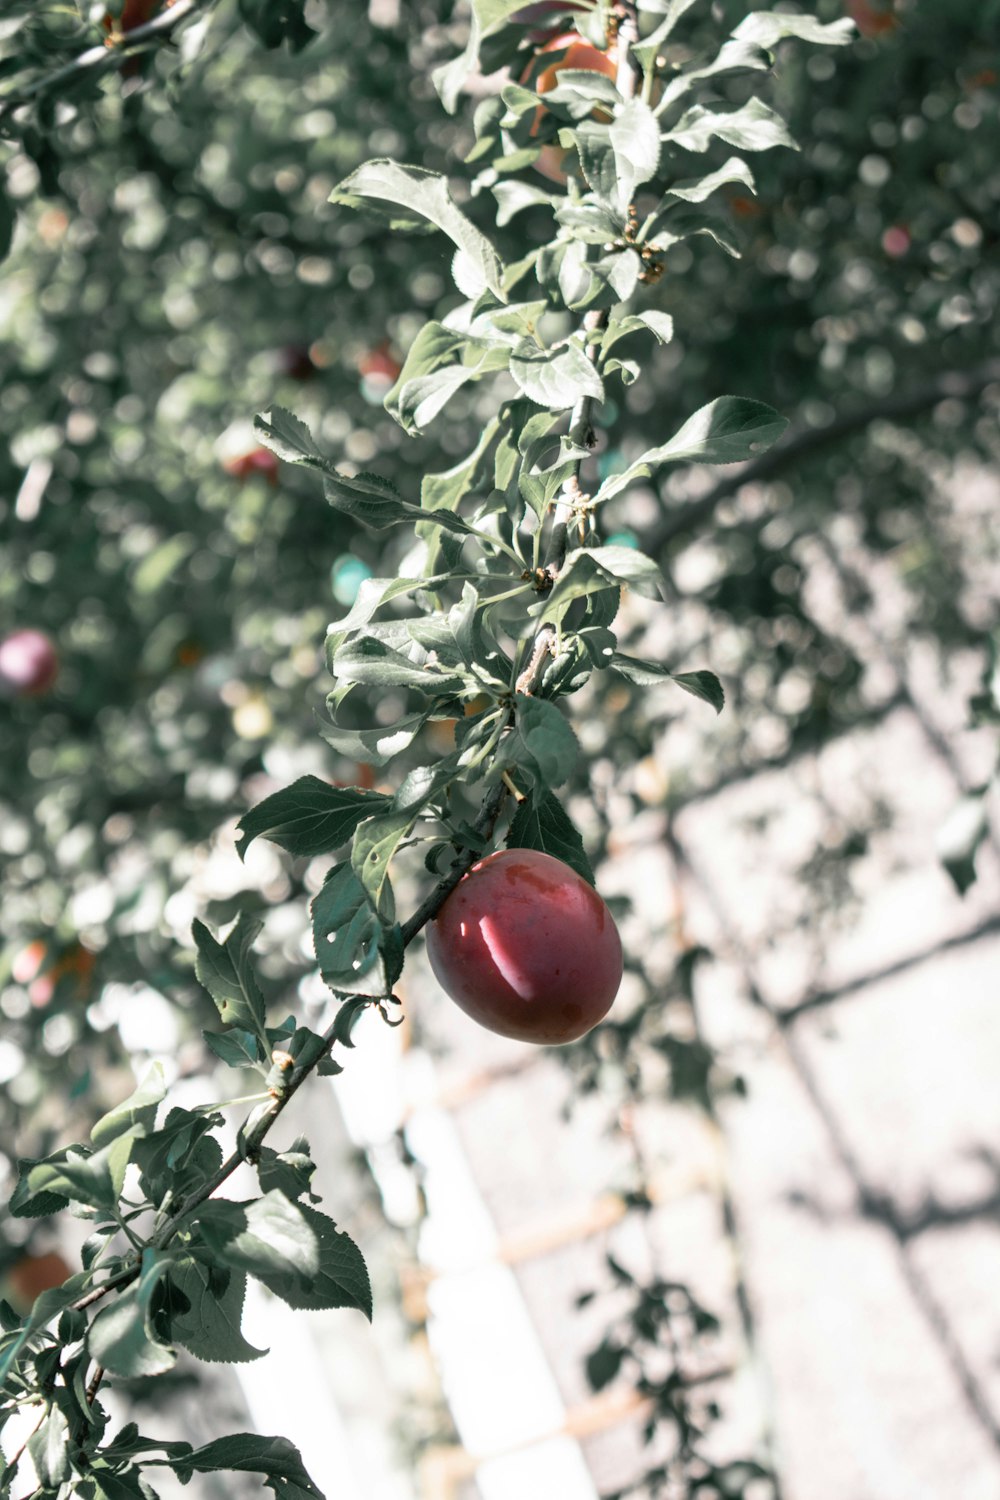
point(527, 948)
point(28, 663)
point(296, 361)
point(582, 56)
point(258, 461)
point(379, 369)
point(34, 1274)
point(133, 13)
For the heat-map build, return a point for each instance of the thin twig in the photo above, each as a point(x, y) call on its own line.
point(956, 385)
point(105, 58)
point(15, 1459)
point(94, 1383)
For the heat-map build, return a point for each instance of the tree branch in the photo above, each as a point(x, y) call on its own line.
point(580, 433)
point(962, 385)
point(105, 58)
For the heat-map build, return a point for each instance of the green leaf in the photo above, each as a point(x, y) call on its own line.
point(123, 1484)
point(546, 737)
point(445, 489)
point(765, 28)
point(392, 953)
point(603, 1364)
point(597, 158)
point(348, 1016)
point(735, 56)
point(378, 745)
point(48, 1449)
point(309, 817)
point(488, 17)
point(754, 127)
point(182, 1154)
point(274, 1457)
point(704, 685)
point(345, 928)
point(591, 222)
point(513, 197)
point(368, 498)
point(292, 1248)
point(420, 198)
point(670, 10)
point(960, 837)
point(8, 223)
point(678, 222)
point(341, 1278)
point(659, 324)
point(493, 13)
point(590, 570)
point(264, 1236)
point(374, 845)
point(290, 1172)
point(122, 1336)
point(289, 438)
point(369, 660)
point(635, 140)
point(440, 360)
point(138, 1109)
point(373, 593)
point(236, 1048)
point(277, 21)
point(226, 971)
point(697, 189)
point(542, 823)
point(73, 1175)
point(555, 378)
point(47, 1306)
point(210, 1327)
point(376, 504)
point(726, 431)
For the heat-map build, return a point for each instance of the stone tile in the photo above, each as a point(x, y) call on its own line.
point(866, 1403)
point(961, 1265)
point(907, 1067)
point(526, 1160)
point(751, 848)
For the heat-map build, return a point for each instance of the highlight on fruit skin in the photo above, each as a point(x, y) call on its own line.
point(527, 948)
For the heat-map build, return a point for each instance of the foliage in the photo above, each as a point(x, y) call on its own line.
point(177, 267)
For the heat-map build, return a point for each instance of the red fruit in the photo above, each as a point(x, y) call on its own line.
point(581, 55)
point(73, 969)
point(379, 364)
point(28, 663)
point(134, 13)
point(189, 653)
point(578, 54)
point(872, 20)
point(296, 362)
point(258, 461)
point(896, 240)
point(34, 1274)
point(378, 369)
point(28, 961)
point(527, 948)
